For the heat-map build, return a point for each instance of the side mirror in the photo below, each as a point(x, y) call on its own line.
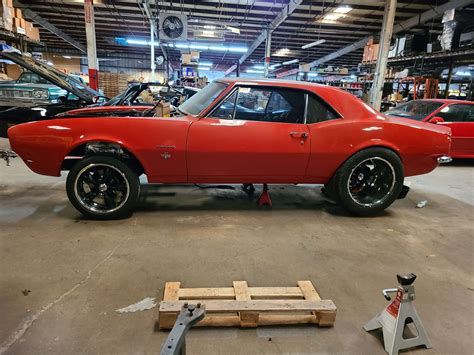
point(436, 119)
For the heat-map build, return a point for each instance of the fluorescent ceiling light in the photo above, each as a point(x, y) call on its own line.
point(294, 61)
point(206, 64)
point(333, 17)
point(207, 33)
point(67, 56)
point(252, 71)
point(343, 9)
point(209, 27)
point(198, 46)
point(282, 52)
point(140, 42)
point(275, 65)
point(259, 67)
point(204, 68)
point(233, 29)
point(316, 43)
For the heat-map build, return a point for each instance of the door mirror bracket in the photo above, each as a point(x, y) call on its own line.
point(436, 119)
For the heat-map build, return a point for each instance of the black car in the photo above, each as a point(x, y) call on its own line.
point(76, 93)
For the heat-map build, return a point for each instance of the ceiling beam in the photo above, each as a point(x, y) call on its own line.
point(277, 21)
point(50, 27)
point(402, 26)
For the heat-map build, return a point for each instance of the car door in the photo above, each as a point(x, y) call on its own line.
point(460, 118)
point(256, 134)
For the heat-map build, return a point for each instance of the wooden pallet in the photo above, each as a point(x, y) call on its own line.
point(246, 306)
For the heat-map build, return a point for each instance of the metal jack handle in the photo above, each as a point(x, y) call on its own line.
point(387, 291)
point(176, 342)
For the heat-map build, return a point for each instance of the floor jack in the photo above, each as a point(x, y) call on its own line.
point(396, 315)
point(176, 342)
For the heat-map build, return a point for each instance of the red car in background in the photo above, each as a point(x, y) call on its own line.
point(455, 114)
point(237, 131)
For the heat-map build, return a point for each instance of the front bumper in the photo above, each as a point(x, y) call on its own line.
point(444, 159)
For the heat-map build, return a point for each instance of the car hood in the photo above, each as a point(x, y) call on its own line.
point(15, 85)
point(50, 73)
point(103, 111)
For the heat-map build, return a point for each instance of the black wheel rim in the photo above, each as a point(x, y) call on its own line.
point(101, 188)
point(371, 182)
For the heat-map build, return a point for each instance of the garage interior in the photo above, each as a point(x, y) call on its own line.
point(65, 277)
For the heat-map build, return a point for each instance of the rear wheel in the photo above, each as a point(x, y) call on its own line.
point(369, 181)
point(103, 187)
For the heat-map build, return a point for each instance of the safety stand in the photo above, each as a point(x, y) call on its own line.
point(264, 198)
point(176, 342)
point(397, 315)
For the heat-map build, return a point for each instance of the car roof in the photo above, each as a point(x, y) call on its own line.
point(274, 82)
point(448, 101)
point(344, 103)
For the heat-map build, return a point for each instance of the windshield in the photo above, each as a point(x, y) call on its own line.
point(202, 99)
point(416, 110)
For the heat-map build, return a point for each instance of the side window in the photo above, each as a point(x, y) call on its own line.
point(226, 108)
point(270, 105)
point(25, 78)
point(318, 110)
point(457, 113)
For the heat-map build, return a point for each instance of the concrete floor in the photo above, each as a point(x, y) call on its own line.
point(79, 271)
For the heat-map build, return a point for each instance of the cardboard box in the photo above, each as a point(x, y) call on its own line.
point(17, 12)
point(6, 16)
point(163, 110)
point(34, 33)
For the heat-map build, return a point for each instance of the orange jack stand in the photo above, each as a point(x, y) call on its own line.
point(264, 198)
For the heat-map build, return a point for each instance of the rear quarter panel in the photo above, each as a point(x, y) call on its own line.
point(418, 144)
point(44, 145)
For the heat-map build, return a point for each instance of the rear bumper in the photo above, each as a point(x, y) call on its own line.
point(444, 159)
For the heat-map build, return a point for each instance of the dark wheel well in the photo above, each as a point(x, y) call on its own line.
point(331, 189)
point(103, 148)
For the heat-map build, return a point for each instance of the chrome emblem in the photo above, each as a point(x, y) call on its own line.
point(165, 155)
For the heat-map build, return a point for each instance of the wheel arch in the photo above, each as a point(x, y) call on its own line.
point(103, 146)
point(359, 149)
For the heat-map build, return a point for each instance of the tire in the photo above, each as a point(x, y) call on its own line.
point(369, 181)
point(103, 187)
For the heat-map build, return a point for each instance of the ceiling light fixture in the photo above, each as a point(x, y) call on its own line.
point(282, 52)
point(343, 9)
point(204, 68)
point(198, 46)
point(252, 71)
point(294, 61)
point(233, 29)
point(316, 43)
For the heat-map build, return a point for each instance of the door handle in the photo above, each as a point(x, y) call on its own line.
point(299, 134)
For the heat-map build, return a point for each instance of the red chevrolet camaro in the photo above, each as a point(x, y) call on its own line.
point(456, 114)
point(238, 131)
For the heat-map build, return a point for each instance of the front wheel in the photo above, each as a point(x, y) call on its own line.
point(369, 181)
point(103, 187)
